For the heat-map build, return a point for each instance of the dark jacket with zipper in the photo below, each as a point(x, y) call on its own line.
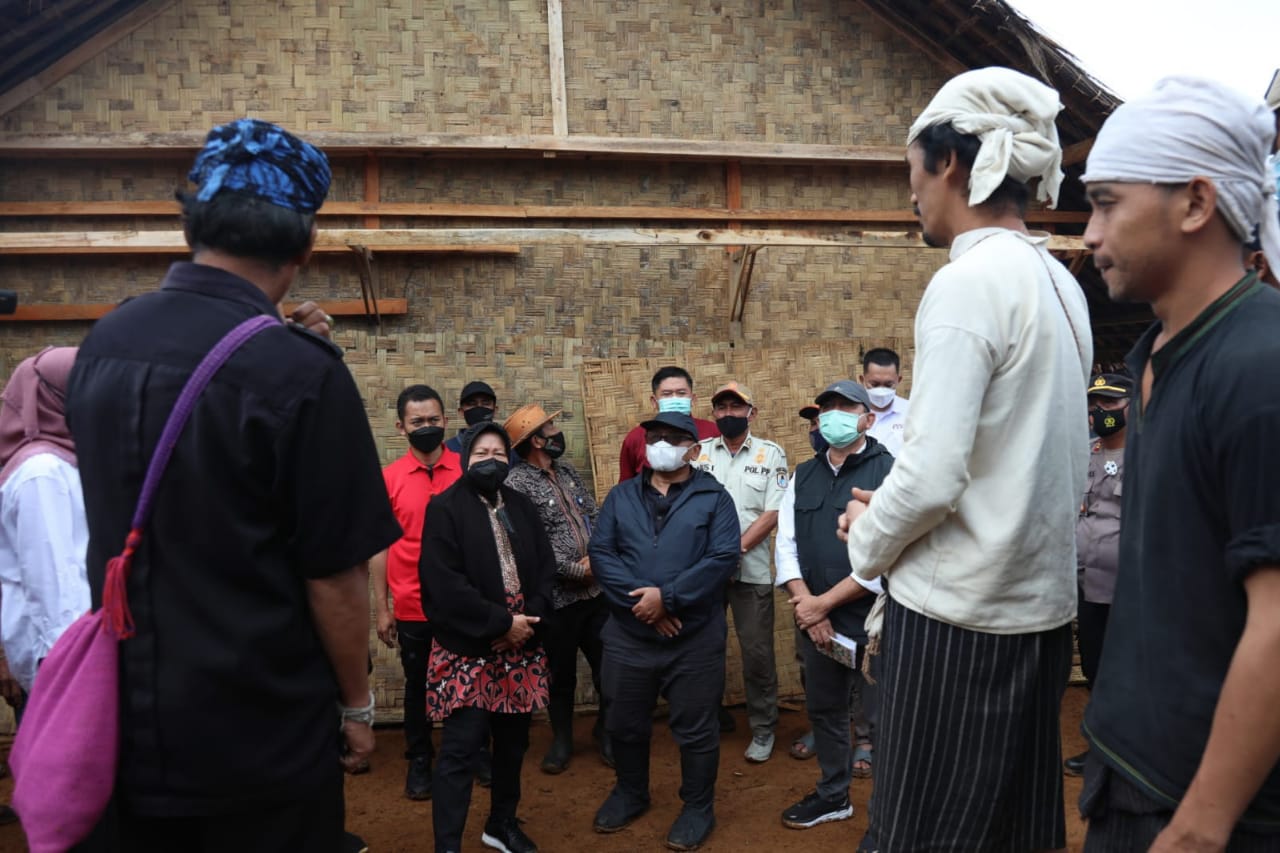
point(462, 590)
point(691, 559)
point(821, 496)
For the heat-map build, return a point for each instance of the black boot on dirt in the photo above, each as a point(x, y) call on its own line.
point(417, 782)
point(557, 758)
point(630, 796)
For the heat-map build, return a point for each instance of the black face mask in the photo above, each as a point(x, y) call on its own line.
point(554, 446)
point(817, 442)
point(486, 476)
point(426, 439)
point(1106, 422)
point(731, 426)
point(477, 415)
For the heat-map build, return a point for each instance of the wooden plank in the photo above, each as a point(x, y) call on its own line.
point(555, 42)
point(489, 240)
point(63, 312)
point(503, 211)
point(1077, 152)
point(82, 53)
point(184, 144)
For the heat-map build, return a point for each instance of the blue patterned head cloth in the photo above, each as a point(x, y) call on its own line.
point(260, 158)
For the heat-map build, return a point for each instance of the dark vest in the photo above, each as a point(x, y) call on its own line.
point(821, 497)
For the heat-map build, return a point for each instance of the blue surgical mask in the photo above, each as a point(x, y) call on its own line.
point(683, 405)
point(840, 429)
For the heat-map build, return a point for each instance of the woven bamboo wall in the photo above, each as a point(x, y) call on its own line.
point(820, 72)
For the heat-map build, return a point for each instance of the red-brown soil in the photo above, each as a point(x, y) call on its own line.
point(558, 809)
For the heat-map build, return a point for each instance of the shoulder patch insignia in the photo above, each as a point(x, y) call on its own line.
point(782, 479)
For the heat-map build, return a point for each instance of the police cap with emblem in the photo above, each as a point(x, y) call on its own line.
point(1113, 385)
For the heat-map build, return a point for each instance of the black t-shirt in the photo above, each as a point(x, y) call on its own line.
point(227, 696)
point(1201, 510)
point(658, 504)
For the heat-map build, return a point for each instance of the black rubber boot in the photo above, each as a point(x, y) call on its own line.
point(630, 796)
point(557, 758)
point(698, 771)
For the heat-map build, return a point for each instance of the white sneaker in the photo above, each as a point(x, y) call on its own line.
point(760, 748)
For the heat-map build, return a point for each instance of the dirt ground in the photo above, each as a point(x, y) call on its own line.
point(558, 809)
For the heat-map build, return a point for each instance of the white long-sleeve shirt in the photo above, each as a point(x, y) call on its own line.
point(786, 554)
point(975, 524)
point(43, 537)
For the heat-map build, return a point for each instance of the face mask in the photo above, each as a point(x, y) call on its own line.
point(1107, 423)
point(477, 414)
point(683, 405)
point(664, 456)
point(881, 397)
point(554, 446)
point(486, 476)
point(817, 442)
point(426, 439)
point(840, 429)
point(731, 426)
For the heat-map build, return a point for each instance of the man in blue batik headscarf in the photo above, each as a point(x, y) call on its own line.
point(249, 590)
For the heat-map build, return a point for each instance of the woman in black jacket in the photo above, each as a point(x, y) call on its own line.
point(486, 571)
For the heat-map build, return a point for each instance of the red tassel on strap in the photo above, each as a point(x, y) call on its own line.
point(115, 601)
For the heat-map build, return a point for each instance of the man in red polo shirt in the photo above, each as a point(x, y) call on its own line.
point(412, 480)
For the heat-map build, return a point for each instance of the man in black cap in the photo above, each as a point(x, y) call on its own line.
point(1098, 528)
point(476, 403)
point(665, 545)
point(813, 567)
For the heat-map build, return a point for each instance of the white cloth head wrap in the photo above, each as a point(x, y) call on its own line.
point(1188, 127)
point(1012, 114)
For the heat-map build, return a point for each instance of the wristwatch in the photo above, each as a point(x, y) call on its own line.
point(357, 715)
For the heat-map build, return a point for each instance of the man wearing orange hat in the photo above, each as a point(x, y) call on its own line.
point(754, 471)
point(568, 512)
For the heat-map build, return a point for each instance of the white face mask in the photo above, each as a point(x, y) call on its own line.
point(881, 398)
point(665, 456)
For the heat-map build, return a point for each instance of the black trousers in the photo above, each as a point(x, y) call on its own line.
point(1092, 628)
point(575, 626)
point(313, 823)
point(688, 673)
point(415, 652)
point(465, 733)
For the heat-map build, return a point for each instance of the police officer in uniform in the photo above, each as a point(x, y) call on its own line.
point(1098, 528)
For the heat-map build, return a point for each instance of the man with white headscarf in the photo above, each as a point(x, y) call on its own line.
point(974, 527)
point(1183, 728)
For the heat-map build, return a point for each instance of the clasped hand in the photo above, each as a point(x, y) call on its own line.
point(650, 610)
point(518, 634)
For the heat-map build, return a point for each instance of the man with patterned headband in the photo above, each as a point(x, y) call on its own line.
point(1183, 732)
point(975, 525)
point(245, 689)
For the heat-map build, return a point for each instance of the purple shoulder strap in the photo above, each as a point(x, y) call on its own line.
point(182, 409)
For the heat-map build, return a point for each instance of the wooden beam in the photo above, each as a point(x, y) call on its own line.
point(55, 312)
point(487, 240)
point(82, 53)
point(733, 213)
point(555, 41)
point(1077, 152)
point(184, 145)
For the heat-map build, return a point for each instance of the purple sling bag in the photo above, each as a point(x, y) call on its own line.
point(65, 754)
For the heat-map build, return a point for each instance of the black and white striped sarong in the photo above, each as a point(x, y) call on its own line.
point(968, 756)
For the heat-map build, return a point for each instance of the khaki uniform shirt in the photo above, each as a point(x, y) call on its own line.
point(756, 478)
point(1098, 528)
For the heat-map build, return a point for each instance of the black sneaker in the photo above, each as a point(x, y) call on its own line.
point(813, 810)
point(417, 782)
point(1074, 766)
point(352, 843)
point(507, 836)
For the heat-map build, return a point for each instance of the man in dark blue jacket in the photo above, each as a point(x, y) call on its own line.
point(665, 545)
